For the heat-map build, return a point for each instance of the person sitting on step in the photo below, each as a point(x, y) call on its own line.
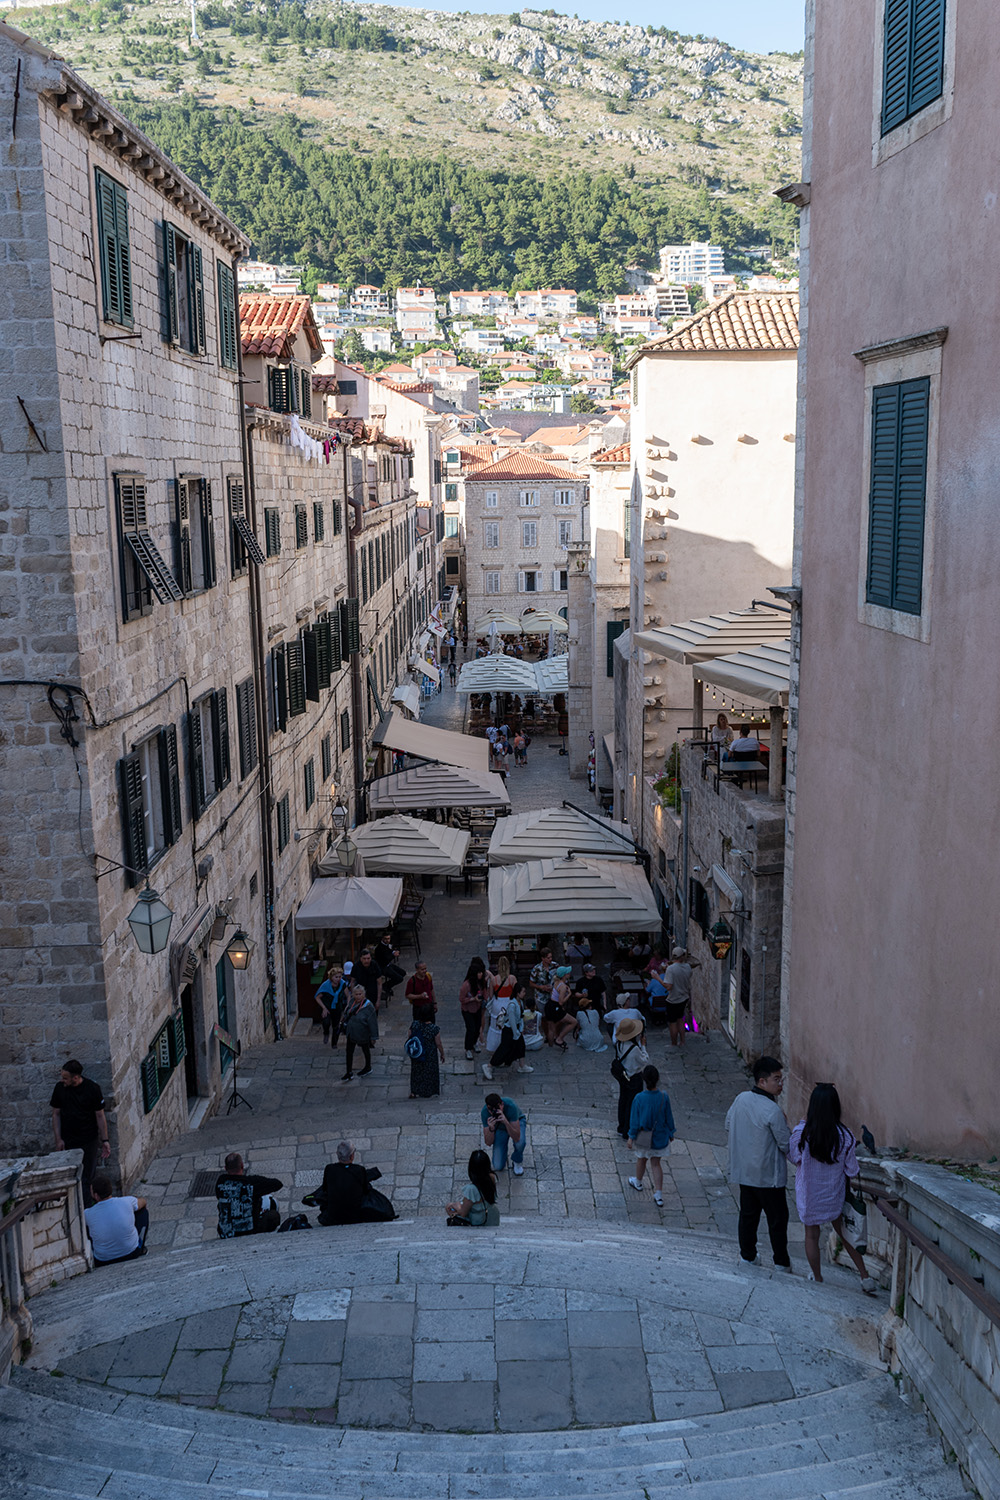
point(117, 1226)
point(244, 1201)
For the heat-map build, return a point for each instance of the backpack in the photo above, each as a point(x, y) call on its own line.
point(296, 1221)
point(414, 1047)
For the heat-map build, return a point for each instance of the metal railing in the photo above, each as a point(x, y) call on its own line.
point(968, 1285)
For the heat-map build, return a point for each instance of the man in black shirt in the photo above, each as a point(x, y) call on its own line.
point(345, 1196)
point(368, 974)
point(239, 1197)
point(79, 1122)
point(593, 986)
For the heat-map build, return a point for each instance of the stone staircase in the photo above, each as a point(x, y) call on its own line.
point(854, 1439)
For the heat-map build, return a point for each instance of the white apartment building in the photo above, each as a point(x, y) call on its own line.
point(330, 291)
point(521, 514)
point(547, 302)
point(377, 340)
point(482, 341)
point(691, 263)
point(369, 299)
point(670, 300)
point(263, 273)
point(584, 326)
point(477, 304)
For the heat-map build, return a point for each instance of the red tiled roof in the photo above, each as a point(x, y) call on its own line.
point(269, 324)
point(524, 466)
point(325, 385)
point(620, 455)
point(556, 437)
point(475, 455)
point(361, 432)
point(742, 322)
point(408, 387)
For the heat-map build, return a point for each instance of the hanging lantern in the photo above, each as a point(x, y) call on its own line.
point(239, 949)
point(150, 922)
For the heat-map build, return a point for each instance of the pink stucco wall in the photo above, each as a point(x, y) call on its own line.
point(894, 964)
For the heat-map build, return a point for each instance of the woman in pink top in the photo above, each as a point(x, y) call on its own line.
point(824, 1156)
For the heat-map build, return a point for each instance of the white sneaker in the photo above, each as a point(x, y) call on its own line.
point(658, 1199)
point(469, 1055)
point(869, 1285)
point(518, 1169)
point(743, 1264)
point(634, 1182)
point(487, 1072)
point(525, 1068)
point(787, 1270)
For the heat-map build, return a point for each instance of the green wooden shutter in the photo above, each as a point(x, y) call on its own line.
point(220, 736)
point(324, 651)
point(615, 629)
point(171, 312)
point(897, 495)
point(133, 822)
point(319, 521)
point(170, 784)
point(150, 1075)
point(895, 67)
point(279, 388)
point(196, 750)
point(178, 490)
point(209, 575)
point(178, 1041)
point(310, 648)
point(336, 650)
point(279, 688)
point(301, 526)
point(284, 823)
point(345, 729)
point(306, 382)
point(116, 264)
point(913, 65)
point(196, 299)
point(272, 532)
point(338, 518)
point(326, 757)
point(246, 726)
point(130, 505)
point(350, 627)
point(309, 782)
point(228, 330)
point(927, 55)
point(237, 511)
point(295, 664)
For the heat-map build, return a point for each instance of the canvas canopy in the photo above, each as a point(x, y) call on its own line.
point(407, 846)
point(541, 621)
point(349, 901)
point(505, 624)
point(437, 786)
point(497, 674)
point(409, 696)
point(428, 743)
point(714, 635)
point(549, 832)
point(570, 895)
point(552, 675)
point(760, 675)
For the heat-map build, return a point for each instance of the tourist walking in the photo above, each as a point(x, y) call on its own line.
point(79, 1122)
point(823, 1152)
point(361, 1030)
point(471, 999)
point(425, 1035)
point(420, 987)
point(626, 1068)
point(505, 1032)
point(330, 997)
point(558, 1022)
point(678, 982)
point(758, 1152)
point(477, 1207)
point(650, 1131)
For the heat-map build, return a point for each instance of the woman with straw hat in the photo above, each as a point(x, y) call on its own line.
point(626, 1068)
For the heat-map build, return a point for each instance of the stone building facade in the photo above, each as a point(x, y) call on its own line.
point(128, 639)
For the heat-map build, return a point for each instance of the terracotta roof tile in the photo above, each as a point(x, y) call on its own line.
point(475, 455)
point(554, 437)
point(620, 455)
point(269, 324)
point(524, 466)
point(742, 322)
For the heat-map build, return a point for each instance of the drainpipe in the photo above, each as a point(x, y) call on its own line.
point(357, 702)
point(686, 886)
point(259, 668)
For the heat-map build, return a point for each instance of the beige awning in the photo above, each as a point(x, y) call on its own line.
point(428, 743)
point(435, 785)
point(497, 674)
point(409, 696)
point(505, 624)
point(571, 895)
point(426, 668)
point(547, 832)
point(609, 748)
point(552, 674)
point(406, 846)
point(714, 635)
point(541, 621)
point(760, 674)
point(349, 901)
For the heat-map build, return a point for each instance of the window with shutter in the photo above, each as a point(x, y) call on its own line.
point(116, 263)
point(182, 534)
point(279, 385)
point(133, 821)
point(183, 292)
point(228, 322)
point(246, 726)
point(310, 651)
point(338, 518)
point(284, 822)
point(309, 783)
point(171, 310)
point(296, 670)
point(201, 754)
point(194, 533)
point(149, 1073)
point(345, 730)
point(272, 532)
point(336, 647)
point(491, 535)
point(615, 629)
point(897, 495)
point(301, 527)
point(324, 652)
point(306, 388)
point(913, 58)
point(326, 758)
point(243, 539)
point(220, 739)
point(319, 521)
point(196, 300)
point(529, 534)
point(350, 627)
point(279, 689)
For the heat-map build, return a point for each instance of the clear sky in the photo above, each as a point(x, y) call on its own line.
point(754, 25)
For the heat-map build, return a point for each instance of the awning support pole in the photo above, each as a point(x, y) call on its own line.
point(774, 767)
point(698, 709)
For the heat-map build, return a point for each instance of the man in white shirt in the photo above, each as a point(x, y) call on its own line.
point(746, 742)
point(117, 1226)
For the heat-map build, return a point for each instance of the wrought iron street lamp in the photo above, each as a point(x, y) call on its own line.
point(150, 922)
point(239, 949)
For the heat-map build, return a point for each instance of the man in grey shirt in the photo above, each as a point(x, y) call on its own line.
point(758, 1151)
point(677, 979)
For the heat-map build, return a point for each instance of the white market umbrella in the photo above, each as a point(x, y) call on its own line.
point(410, 846)
point(571, 895)
point(437, 785)
point(542, 621)
point(349, 901)
point(505, 624)
point(551, 832)
point(552, 675)
point(497, 674)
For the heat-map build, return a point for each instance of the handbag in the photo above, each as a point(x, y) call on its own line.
point(618, 1066)
point(643, 1141)
point(414, 1047)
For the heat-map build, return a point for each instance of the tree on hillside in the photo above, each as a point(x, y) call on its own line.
point(581, 403)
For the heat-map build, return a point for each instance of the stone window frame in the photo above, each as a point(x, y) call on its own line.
point(913, 358)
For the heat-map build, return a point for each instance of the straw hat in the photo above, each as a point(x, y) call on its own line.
point(627, 1029)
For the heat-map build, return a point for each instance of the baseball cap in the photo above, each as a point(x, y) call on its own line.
point(348, 967)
